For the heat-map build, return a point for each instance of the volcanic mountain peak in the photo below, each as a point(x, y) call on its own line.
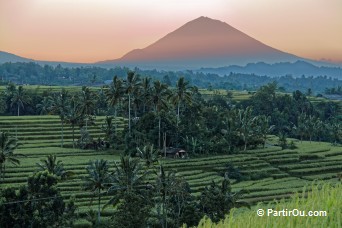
point(203, 42)
point(203, 25)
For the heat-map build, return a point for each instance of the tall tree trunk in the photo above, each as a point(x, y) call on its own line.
point(18, 109)
point(87, 123)
point(245, 139)
point(73, 136)
point(62, 133)
point(159, 126)
point(164, 143)
point(99, 206)
point(178, 112)
point(129, 114)
point(116, 122)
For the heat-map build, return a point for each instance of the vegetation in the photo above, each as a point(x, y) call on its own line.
point(35, 74)
point(7, 147)
point(324, 197)
point(39, 204)
point(113, 140)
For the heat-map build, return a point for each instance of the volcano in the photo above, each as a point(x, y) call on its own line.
point(203, 42)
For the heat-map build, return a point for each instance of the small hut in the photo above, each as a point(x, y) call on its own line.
point(172, 152)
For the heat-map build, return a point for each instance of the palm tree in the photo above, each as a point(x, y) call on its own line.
point(264, 128)
point(45, 106)
point(131, 84)
point(87, 103)
point(335, 129)
point(9, 94)
point(60, 107)
point(72, 117)
point(246, 124)
point(158, 98)
point(149, 154)
point(97, 179)
point(145, 91)
point(165, 183)
point(126, 178)
point(182, 94)
point(137, 100)
point(7, 147)
point(114, 95)
point(54, 167)
point(20, 99)
point(310, 123)
point(301, 128)
point(109, 129)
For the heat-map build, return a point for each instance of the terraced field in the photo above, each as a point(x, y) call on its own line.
point(270, 173)
point(46, 131)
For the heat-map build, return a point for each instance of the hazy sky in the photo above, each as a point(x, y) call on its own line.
point(94, 30)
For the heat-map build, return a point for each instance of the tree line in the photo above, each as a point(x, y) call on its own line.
point(157, 115)
point(35, 74)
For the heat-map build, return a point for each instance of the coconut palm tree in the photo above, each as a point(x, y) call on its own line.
point(127, 177)
point(9, 94)
point(301, 128)
point(114, 95)
point(73, 118)
point(149, 154)
point(20, 99)
point(137, 100)
point(54, 167)
point(181, 94)
point(335, 129)
point(60, 107)
point(45, 106)
point(158, 98)
point(310, 123)
point(7, 147)
point(145, 91)
point(109, 129)
point(264, 128)
point(87, 103)
point(97, 180)
point(246, 124)
point(165, 184)
point(132, 82)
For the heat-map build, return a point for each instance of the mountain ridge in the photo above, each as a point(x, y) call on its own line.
point(296, 69)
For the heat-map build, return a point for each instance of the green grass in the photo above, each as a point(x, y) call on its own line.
point(324, 197)
point(46, 130)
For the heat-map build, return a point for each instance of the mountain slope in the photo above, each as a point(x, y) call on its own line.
point(296, 69)
point(8, 57)
point(204, 42)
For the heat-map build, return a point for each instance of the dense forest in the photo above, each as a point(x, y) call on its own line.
point(32, 73)
point(155, 111)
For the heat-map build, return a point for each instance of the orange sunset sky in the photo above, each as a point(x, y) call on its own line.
point(94, 30)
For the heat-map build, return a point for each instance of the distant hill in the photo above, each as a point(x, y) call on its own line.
point(203, 42)
point(296, 69)
point(8, 57)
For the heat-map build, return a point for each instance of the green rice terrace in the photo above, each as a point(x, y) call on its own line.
point(269, 173)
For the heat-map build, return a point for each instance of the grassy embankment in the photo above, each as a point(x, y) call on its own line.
point(323, 198)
